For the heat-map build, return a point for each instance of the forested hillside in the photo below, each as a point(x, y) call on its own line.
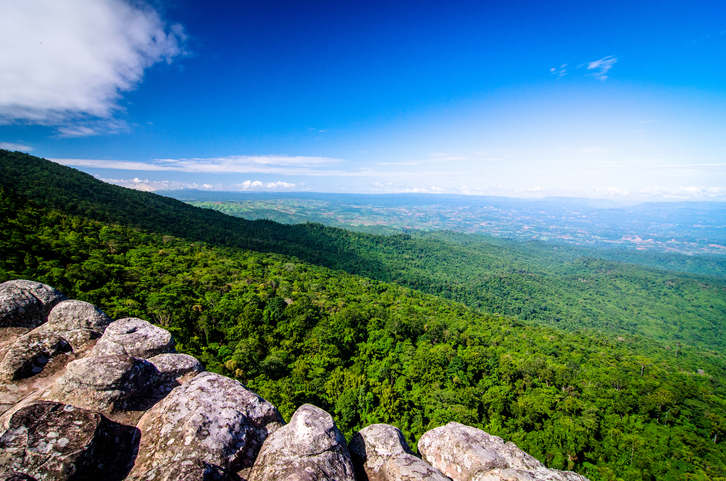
point(559, 288)
point(371, 351)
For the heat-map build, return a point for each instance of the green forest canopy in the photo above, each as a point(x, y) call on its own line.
point(370, 351)
point(536, 284)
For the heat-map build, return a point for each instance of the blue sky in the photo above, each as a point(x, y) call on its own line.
point(622, 100)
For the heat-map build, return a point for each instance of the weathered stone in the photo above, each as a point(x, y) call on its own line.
point(212, 419)
point(48, 296)
point(380, 453)
point(71, 315)
point(188, 471)
point(107, 384)
point(134, 337)
point(79, 339)
point(460, 452)
point(29, 355)
point(172, 366)
point(465, 453)
point(15, 476)
point(54, 441)
point(19, 308)
point(310, 448)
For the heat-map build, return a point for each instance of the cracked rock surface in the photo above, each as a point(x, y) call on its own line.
point(380, 453)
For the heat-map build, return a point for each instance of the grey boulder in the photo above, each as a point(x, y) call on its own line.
point(46, 295)
point(107, 384)
point(211, 421)
point(73, 315)
point(309, 448)
point(134, 337)
point(19, 308)
point(380, 453)
point(172, 365)
point(464, 453)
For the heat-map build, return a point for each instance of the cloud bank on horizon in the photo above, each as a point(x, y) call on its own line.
point(468, 98)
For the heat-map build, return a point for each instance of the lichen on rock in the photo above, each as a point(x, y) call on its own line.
point(212, 419)
point(310, 448)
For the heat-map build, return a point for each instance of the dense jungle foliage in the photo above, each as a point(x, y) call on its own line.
point(368, 351)
point(534, 282)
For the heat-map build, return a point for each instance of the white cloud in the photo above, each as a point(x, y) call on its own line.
point(257, 185)
point(602, 67)
point(12, 146)
point(155, 185)
point(92, 127)
point(68, 60)
point(559, 72)
point(686, 193)
point(262, 164)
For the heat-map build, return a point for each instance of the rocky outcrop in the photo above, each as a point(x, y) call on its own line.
point(310, 448)
point(82, 397)
point(212, 419)
point(380, 453)
point(464, 453)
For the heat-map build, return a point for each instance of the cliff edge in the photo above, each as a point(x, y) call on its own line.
point(84, 397)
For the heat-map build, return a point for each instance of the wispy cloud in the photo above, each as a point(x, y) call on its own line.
point(398, 188)
point(89, 128)
point(12, 146)
point(559, 72)
point(602, 67)
point(147, 185)
point(69, 62)
point(236, 164)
